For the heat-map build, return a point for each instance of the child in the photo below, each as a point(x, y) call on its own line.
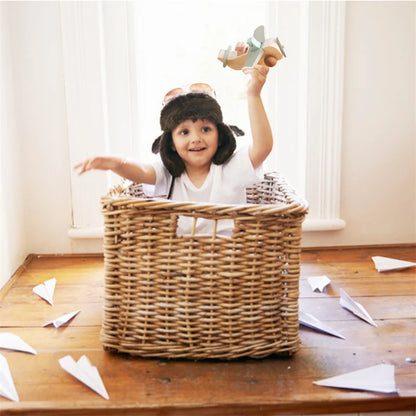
point(198, 162)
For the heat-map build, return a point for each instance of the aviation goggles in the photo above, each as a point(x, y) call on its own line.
point(196, 88)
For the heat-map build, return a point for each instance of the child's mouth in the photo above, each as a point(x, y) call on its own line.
point(199, 149)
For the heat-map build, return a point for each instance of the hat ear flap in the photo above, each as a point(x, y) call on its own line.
point(156, 145)
point(170, 158)
point(226, 144)
point(236, 130)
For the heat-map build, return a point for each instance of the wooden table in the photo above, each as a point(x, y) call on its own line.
point(268, 386)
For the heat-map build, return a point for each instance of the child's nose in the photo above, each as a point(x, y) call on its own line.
point(195, 137)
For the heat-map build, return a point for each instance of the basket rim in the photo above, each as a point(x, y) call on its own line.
point(296, 207)
point(295, 204)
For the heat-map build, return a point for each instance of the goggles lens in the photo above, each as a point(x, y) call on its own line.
point(197, 87)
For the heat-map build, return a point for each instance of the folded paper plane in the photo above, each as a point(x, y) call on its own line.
point(84, 372)
point(62, 319)
point(378, 378)
point(13, 342)
point(319, 282)
point(310, 321)
point(384, 264)
point(46, 289)
point(356, 308)
point(7, 388)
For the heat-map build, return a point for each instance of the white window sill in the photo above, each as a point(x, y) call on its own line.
point(323, 224)
point(86, 233)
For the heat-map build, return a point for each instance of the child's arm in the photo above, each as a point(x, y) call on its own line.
point(260, 126)
point(136, 172)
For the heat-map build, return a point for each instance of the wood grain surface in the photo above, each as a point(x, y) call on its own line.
point(268, 386)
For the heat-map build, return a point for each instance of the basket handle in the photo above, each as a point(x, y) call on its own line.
point(183, 222)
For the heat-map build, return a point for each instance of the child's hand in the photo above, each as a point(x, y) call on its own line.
point(100, 163)
point(257, 78)
point(241, 48)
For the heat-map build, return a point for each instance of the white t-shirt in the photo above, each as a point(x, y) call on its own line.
point(225, 184)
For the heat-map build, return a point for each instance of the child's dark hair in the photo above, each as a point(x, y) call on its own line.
point(193, 106)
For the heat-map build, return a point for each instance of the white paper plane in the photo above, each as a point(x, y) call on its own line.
point(310, 321)
point(356, 308)
point(378, 378)
point(384, 264)
point(46, 289)
point(319, 282)
point(13, 342)
point(62, 319)
point(7, 388)
point(84, 372)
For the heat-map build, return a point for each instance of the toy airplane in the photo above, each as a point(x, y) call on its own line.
point(378, 378)
point(260, 51)
point(356, 308)
point(385, 264)
point(319, 283)
point(46, 290)
point(62, 319)
point(7, 388)
point(306, 319)
point(84, 372)
point(11, 341)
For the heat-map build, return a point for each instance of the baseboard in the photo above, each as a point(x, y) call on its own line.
point(16, 275)
point(360, 246)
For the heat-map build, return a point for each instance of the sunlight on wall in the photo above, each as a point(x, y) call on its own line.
point(185, 41)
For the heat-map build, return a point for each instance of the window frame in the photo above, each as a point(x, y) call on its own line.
point(105, 106)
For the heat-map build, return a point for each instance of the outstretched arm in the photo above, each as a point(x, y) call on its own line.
point(260, 127)
point(136, 172)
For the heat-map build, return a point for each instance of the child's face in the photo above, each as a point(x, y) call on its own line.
point(196, 142)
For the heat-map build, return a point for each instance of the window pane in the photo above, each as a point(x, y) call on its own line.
point(182, 47)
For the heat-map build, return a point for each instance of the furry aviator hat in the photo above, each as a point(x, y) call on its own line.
point(193, 106)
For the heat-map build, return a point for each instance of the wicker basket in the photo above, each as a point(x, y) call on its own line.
point(203, 297)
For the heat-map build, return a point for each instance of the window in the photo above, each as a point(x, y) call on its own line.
point(120, 59)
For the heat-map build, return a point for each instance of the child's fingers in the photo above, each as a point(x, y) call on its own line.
point(90, 164)
point(100, 163)
point(241, 48)
point(83, 166)
point(261, 69)
point(258, 72)
point(264, 70)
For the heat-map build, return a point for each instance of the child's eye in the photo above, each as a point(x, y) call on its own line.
point(206, 129)
point(184, 132)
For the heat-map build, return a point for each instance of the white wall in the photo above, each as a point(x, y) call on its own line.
point(36, 60)
point(12, 238)
point(378, 190)
point(378, 154)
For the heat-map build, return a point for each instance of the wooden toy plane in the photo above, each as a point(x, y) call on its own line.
point(260, 51)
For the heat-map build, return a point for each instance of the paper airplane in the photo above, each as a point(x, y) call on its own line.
point(310, 321)
point(319, 282)
point(84, 372)
point(7, 388)
point(378, 378)
point(45, 290)
point(62, 319)
point(13, 342)
point(384, 264)
point(356, 308)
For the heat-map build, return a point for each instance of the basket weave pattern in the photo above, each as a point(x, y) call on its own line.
point(200, 297)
